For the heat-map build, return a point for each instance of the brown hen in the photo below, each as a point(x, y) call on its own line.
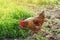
point(33, 23)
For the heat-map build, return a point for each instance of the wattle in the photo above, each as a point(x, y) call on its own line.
point(21, 23)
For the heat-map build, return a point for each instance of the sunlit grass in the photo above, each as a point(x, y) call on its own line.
point(39, 2)
point(10, 14)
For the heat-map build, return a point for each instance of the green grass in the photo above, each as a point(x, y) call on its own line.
point(10, 14)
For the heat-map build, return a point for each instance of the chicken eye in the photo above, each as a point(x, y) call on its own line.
point(25, 23)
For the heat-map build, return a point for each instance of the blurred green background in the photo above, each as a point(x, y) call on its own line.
point(11, 11)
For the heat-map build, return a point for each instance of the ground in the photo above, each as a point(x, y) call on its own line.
point(51, 27)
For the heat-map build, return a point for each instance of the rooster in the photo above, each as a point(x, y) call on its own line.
point(33, 23)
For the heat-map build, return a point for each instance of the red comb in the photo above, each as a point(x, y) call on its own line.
point(21, 23)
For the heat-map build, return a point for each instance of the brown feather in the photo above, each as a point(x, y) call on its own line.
point(35, 23)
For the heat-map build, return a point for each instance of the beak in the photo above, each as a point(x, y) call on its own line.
point(21, 26)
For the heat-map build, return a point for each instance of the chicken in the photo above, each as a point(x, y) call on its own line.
point(33, 23)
